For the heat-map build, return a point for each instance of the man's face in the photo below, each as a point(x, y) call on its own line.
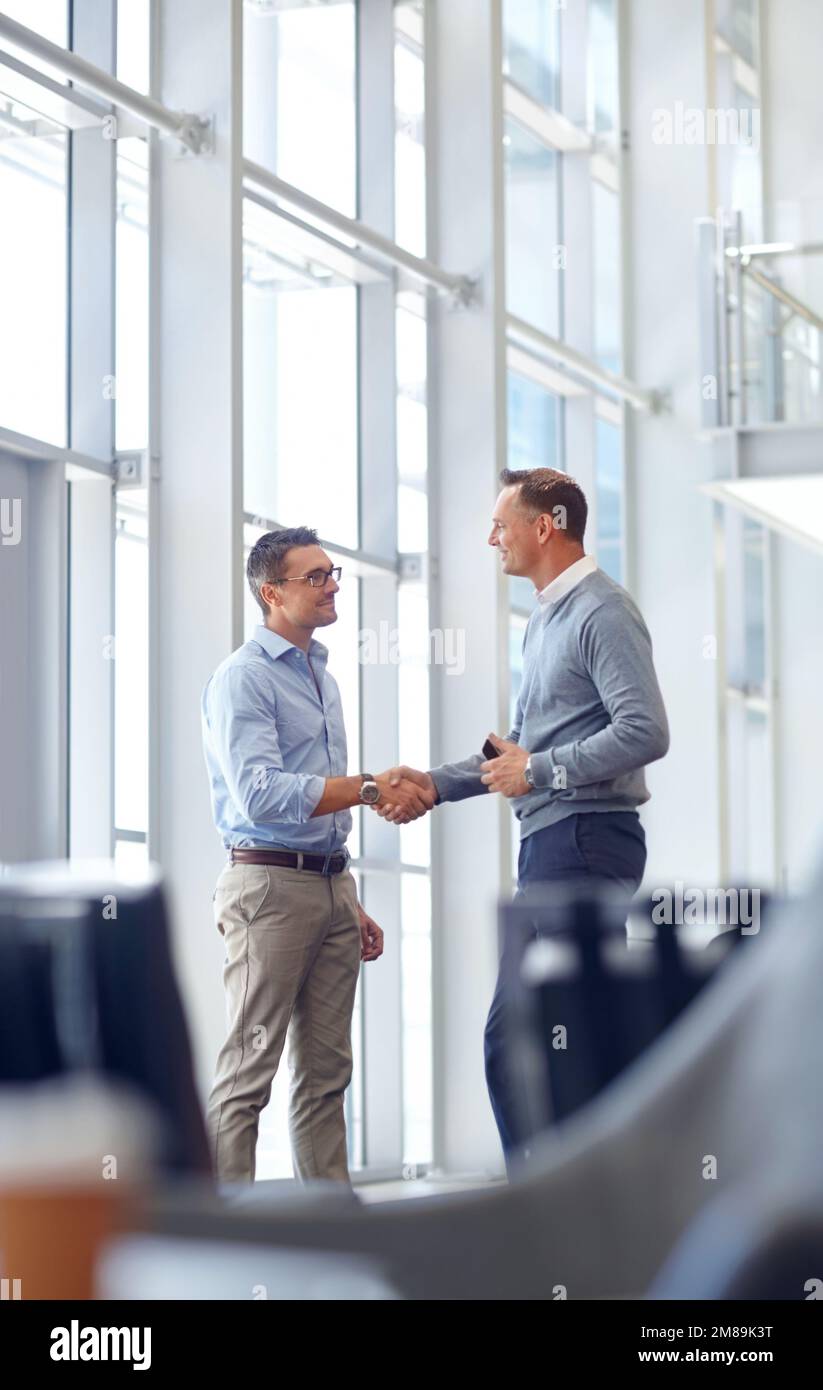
point(514, 536)
point(303, 605)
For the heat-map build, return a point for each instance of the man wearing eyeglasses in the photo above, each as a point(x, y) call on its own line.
point(286, 901)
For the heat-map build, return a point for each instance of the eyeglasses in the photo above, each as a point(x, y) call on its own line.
point(317, 578)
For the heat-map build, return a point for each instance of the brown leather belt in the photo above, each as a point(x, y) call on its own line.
point(292, 859)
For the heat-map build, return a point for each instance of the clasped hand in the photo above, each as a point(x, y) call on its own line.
point(407, 793)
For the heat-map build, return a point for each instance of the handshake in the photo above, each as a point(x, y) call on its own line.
point(405, 794)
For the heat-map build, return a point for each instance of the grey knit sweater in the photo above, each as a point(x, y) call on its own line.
point(589, 710)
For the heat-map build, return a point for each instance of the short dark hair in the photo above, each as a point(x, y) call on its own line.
point(543, 490)
point(267, 557)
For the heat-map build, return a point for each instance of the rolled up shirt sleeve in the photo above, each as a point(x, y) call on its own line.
point(243, 727)
point(617, 651)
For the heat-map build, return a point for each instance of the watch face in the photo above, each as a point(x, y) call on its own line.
point(369, 792)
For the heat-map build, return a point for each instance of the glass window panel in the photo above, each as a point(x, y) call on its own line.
point(416, 649)
point(533, 416)
point(750, 792)
point(758, 801)
point(299, 120)
point(738, 22)
point(412, 519)
point(522, 593)
point(609, 493)
point(355, 1127)
point(410, 147)
point(517, 632)
point(300, 401)
point(33, 281)
point(411, 346)
point(740, 170)
point(273, 1146)
point(603, 91)
point(417, 1018)
point(132, 296)
point(46, 17)
point(412, 425)
point(131, 855)
point(531, 47)
point(607, 297)
point(131, 686)
point(133, 47)
point(532, 230)
point(754, 579)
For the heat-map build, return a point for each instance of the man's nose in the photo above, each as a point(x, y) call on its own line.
point(493, 537)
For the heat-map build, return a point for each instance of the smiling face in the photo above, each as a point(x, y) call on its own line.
point(302, 606)
point(515, 537)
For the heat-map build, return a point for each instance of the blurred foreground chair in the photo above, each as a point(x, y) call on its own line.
point(87, 985)
point(583, 1001)
point(728, 1100)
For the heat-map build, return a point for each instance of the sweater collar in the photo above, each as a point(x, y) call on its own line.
point(559, 587)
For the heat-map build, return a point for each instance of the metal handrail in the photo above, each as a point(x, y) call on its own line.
point(182, 125)
point(785, 296)
point(460, 286)
point(544, 346)
point(193, 131)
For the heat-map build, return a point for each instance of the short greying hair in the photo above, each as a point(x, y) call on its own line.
point(546, 489)
point(265, 563)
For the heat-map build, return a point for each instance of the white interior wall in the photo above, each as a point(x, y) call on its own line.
point(793, 112)
point(672, 550)
point(799, 645)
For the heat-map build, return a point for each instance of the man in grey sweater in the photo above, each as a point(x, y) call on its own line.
point(589, 717)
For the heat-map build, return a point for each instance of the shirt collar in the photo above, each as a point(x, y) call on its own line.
point(277, 646)
point(566, 581)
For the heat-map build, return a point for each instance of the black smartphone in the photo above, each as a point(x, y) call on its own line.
point(489, 750)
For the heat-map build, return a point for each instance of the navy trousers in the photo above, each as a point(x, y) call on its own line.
point(598, 847)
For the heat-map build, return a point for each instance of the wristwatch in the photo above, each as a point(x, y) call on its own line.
point(528, 773)
point(369, 790)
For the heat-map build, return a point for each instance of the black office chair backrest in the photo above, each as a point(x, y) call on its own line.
point(582, 1001)
point(87, 984)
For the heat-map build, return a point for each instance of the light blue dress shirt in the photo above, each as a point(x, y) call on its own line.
point(270, 740)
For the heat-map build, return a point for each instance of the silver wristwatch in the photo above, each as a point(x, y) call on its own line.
point(528, 773)
point(369, 790)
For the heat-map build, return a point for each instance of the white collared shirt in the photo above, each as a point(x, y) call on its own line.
point(560, 586)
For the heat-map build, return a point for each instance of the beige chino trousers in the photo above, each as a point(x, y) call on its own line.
point(292, 962)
